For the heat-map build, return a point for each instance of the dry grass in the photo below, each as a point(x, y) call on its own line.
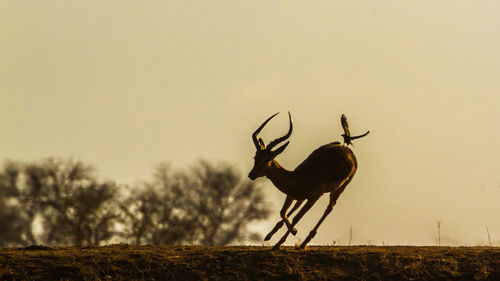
point(124, 262)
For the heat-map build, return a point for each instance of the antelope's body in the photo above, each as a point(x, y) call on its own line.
point(328, 169)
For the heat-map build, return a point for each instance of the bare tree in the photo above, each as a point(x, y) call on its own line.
point(15, 225)
point(224, 204)
point(86, 216)
point(62, 200)
point(138, 210)
point(208, 205)
point(72, 207)
point(153, 212)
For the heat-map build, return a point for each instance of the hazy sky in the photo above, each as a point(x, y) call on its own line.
point(125, 85)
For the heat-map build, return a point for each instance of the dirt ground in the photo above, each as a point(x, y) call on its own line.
point(125, 262)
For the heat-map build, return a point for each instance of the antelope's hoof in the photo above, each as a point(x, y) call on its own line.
point(301, 247)
point(268, 237)
point(294, 231)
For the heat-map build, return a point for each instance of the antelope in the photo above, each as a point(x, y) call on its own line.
point(328, 169)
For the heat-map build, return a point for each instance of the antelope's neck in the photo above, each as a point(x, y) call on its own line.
point(283, 179)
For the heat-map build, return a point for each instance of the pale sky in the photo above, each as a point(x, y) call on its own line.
point(124, 85)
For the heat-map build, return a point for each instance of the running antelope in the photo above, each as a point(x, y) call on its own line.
point(327, 170)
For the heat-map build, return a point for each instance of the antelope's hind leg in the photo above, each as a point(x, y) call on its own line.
point(281, 222)
point(333, 200)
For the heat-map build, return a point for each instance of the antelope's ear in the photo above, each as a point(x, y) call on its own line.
point(261, 142)
point(280, 149)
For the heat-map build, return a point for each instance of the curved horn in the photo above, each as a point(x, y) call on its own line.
point(278, 140)
point(254, 135)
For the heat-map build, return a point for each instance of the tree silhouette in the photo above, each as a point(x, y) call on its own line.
point(207, 205)
point(224, 204)
point(72, 208)
point(15, 225)
point(153, 212)
point(60, 202)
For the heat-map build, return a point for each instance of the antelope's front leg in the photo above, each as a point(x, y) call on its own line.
point(295, 220)
point(281, 222)
point(284, 218)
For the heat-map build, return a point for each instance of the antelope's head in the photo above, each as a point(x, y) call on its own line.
point(264, 154)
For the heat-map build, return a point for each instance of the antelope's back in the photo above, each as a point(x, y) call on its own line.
point(331, 163)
